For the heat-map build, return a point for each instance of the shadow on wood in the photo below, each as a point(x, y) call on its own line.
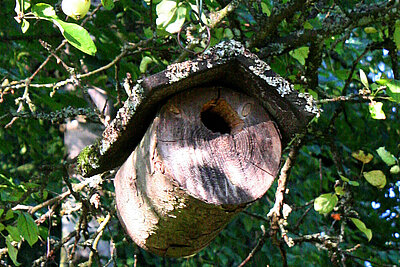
point(192, 172)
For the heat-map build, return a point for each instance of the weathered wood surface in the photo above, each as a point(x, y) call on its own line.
point(227, 64)
point(207, 154)
point(233, 167)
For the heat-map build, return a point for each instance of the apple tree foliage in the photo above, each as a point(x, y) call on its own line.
point(341, 205)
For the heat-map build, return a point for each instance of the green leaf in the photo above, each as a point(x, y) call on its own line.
point(354, 183)
point(2, 227)
point(300, 54)
point(377, 178)
point(148, 32)
point(325, 203)
point(108, 4)
point(265, 9)
point(28, 228)
point(143, 64)
point(361, 226)
point(396, 35)
point(77, 36)
point(339, 190)
point(14, 233)
point(44, 11)
point(9, 181)
point(386, 156)
point(43, 232)
point(375, 109)
point(395, 169)
point(177, 24)
point(361, 156)
point(344, 178)
point(382, 81)
point(350, 182)
point(364, 79)
point(307, 26)
point(12, 251)
point(24, 26)
point(393, 90)
point(370, 30)
point(165, 12)
point(9, 215)
point(228, 33)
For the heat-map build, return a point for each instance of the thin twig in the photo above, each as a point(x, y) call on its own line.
point(283, 179)
point(99, 233)
point(259, 245)
point(256, 216)
point(215, 19)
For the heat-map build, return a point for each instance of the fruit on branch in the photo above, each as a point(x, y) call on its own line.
point(76, 9)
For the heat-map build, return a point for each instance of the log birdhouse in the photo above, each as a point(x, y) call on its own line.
point(197, 142)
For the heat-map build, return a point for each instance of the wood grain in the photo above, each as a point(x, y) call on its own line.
point(184, 182)
point(219, 168)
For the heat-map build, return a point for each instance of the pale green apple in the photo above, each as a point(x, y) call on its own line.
point(76, 9)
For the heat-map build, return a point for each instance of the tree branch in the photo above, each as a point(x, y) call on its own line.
point(278, 15)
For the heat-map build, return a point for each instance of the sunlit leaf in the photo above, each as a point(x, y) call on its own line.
point(339, 190)
point(361, 156)
point(24, 26)
point(18, 8)
point(361, 226)
point(265, 9)
point(394, 90)
point(344, 178)
point(179, 20)
point(370, 30)
point(43, 10)
point(350, 182)
point(364, 79)
point(108, 4)
point(325, 203)
point(300, 54)
point(28, 228)
point(143, 64)
point(76, 35)
point(386, 156)
point(375, 109)
point(377, 178)
point(165, 12)
point(395, 169)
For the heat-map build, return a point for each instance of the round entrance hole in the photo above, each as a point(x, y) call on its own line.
point(219, 117)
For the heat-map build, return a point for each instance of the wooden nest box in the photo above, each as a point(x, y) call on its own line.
point(197, 142)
